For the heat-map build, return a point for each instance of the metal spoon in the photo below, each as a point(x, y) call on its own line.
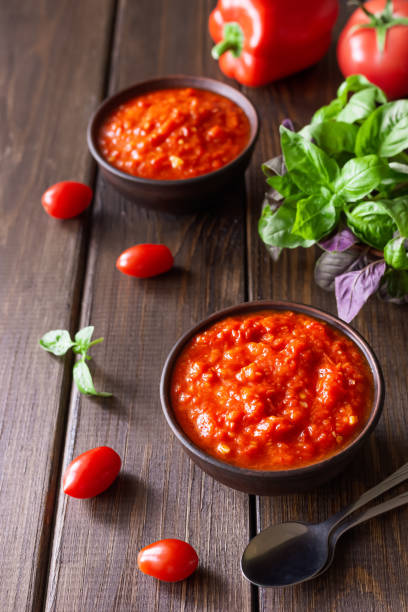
point(351, 522)
point(290, 553)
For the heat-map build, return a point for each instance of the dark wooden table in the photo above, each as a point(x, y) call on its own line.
point(58, 60)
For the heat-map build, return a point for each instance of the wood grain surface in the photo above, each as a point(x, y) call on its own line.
point(52, 72)
point(161, 493)
point(58, 60)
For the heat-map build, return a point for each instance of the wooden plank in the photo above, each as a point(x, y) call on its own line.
point(52, 67)
point(160, 493)
point(370, 568)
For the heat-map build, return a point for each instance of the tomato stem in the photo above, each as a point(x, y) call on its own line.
point(381, 22)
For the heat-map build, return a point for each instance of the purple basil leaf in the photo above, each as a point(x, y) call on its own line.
point(341, 241)
point(354, 288)
point(330, 265)
point(288, 124)
point(273, 166)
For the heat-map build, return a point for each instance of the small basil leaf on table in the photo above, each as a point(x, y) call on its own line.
point(335, 136)
point(360, 105)
point(310, 168)
point(395, 253)
point(83, 339)
point(359, 177)
point(275, 227)
point(371, 223)
point(57, 342)
point(354, 288)
point(332, 264)
point(341, 241)
point(385, 131)
point(315, 217)
point(83, 380)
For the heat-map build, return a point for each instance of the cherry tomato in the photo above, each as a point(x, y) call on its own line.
point(91, 473)
point(66, 199)
point(358, 51)
point(170, 560)
point(144, 260)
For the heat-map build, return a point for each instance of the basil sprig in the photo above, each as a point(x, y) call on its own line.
point(58, 342)
point(347, 171)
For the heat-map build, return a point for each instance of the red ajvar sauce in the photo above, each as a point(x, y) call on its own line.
point(271, 390)
point(174, 134)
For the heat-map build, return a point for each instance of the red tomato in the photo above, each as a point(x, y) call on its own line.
point(66, 199)
point(144, 260)
point(91, 473)
point(358, 51)
point(170, 560)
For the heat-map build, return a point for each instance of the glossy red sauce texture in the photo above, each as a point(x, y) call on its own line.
point(271, 390)
point(174, 134)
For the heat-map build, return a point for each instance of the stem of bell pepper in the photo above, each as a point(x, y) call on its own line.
point(233, 41)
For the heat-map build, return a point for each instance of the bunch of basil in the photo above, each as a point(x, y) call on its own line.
point(343, 183)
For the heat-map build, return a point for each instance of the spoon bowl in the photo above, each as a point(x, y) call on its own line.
point(286, 554)
point(293, 552)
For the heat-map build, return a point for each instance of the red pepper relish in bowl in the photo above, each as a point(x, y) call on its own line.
point(271, 390)
point(173, 134)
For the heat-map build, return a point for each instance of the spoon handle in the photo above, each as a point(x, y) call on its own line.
point(390, 504)
point(351, 522)
point(391, 481)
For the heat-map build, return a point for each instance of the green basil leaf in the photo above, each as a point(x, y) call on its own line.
point(359, 176)
point(398, 211)
point(330, 111)
point(360, 106)
point(83, 339)
point(393, 176)
point(275, 227)
point(335, 136)
point(315, 217)
point(283, 184)
point(395, 253)
point(310, 168)
point(83, 380)
point(385, 131)
point(358, 82)
point(397, 282)
point(57, 342)
point(84, 335)
point(370, 222)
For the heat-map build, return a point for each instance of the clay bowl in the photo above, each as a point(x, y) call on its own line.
point(278, 481)
point(179, 196)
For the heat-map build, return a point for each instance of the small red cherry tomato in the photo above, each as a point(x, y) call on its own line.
point(144, 260)
point(66, 199)
point(170, 560)
point(91, 473)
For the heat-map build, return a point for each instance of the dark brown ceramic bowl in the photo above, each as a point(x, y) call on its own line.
point(278, 481)
point(180, 196)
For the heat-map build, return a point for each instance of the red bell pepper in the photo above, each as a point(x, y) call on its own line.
point(259, 41)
